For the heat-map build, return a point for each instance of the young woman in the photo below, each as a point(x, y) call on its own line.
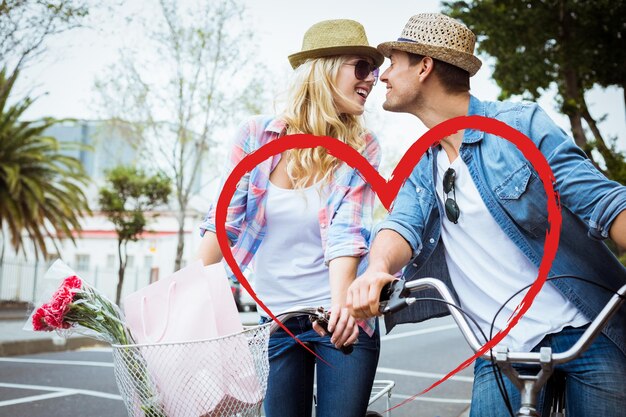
point(303, 219)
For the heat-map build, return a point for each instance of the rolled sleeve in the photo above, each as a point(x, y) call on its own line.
point(406, 231)
point(605, 212)
point(208, 225)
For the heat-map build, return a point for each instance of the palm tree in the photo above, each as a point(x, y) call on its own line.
point(41, 191)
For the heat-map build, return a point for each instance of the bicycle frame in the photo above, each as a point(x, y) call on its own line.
point(528, 385)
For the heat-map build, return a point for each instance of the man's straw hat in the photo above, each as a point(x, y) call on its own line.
point(335, 37)
point(437, 36)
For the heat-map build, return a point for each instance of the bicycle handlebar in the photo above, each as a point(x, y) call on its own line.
point(316, 314)
point(396, 297)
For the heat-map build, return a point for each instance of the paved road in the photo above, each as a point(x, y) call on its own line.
point(81, 383)
point(418, 355)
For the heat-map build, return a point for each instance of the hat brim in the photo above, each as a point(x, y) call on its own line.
point(460, 59)
point(368, 51)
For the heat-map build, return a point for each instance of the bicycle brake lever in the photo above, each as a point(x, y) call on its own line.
point(321, 319)
point(393, 297)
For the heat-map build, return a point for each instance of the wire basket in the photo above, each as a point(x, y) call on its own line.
point(222, 377)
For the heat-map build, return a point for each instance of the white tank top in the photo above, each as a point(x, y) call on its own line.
point(486, 268)
point(289, 263)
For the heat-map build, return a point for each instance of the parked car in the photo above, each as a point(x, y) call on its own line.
point(235, 288)
point(244, 301)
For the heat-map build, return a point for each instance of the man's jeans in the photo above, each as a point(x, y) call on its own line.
point(595, 385)
point(343, 385)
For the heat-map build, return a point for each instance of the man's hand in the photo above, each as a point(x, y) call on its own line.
point(364, 294)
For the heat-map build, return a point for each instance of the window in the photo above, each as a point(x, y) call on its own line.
point(82, 262)
point(111, 261)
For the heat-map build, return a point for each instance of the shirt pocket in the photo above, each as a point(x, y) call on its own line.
point(523, 197)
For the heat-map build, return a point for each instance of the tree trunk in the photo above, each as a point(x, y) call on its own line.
point(600, 143)
point(571, 107)
point(181, 239)
point(120, 272)
point(570, 88)
point(604, 150)
point(2, 242)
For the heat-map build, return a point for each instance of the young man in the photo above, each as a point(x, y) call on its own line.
point(474, 213)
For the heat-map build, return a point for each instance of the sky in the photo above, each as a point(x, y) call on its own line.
point(64, 78)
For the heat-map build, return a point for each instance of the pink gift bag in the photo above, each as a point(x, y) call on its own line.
point(183, 307)
point(192, 305)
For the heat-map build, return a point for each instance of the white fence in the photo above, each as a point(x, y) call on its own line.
point(23, 280)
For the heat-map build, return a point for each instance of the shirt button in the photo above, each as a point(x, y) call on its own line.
point(516, 188)
point(418, 189)
point(323, 225)
point(431, 240)
point(415, 264)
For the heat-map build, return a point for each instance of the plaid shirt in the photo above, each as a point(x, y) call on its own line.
point(345, 219)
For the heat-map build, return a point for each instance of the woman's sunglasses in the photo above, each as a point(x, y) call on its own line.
point(362, 70)
point(452, 208)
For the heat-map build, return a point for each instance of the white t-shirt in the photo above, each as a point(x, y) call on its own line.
point(486, 268)
point(289, 264)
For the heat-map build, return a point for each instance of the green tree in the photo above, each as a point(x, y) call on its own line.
point(572, 44)
point(126, 199)
point(41, 189)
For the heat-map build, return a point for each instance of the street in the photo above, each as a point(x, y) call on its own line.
point(82, 383)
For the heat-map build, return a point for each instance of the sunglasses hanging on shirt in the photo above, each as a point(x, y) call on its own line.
point(451, 207)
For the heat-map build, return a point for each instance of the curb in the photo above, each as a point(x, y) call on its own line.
point(30, 347)
point(14, 315)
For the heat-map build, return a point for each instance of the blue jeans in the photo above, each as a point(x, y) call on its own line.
point(343, 388)
point(595, 384)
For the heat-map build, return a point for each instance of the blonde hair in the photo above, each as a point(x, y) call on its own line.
point(311, 108)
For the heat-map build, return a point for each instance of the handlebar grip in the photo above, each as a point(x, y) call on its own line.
point(393, 296)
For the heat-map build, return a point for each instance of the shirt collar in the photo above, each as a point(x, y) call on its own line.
point(476, 108)
point(276, 125)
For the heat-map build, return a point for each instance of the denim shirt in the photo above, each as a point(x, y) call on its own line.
point(515, 197)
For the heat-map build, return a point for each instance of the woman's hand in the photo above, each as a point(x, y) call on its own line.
point(343, 326)
point(342, 271)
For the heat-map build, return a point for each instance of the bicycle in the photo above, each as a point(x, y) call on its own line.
point(396, 296)
point(225, 376)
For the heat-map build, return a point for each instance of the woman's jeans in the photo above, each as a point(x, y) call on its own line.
point(343, 385)
point(595, 384)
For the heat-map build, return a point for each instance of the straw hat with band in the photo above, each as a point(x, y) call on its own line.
point(437, 36)
point(335, 37)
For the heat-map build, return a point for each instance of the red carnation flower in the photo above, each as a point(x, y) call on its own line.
point(39, 320)
point(73, 282)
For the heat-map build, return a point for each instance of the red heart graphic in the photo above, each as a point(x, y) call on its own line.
point(387, 191)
